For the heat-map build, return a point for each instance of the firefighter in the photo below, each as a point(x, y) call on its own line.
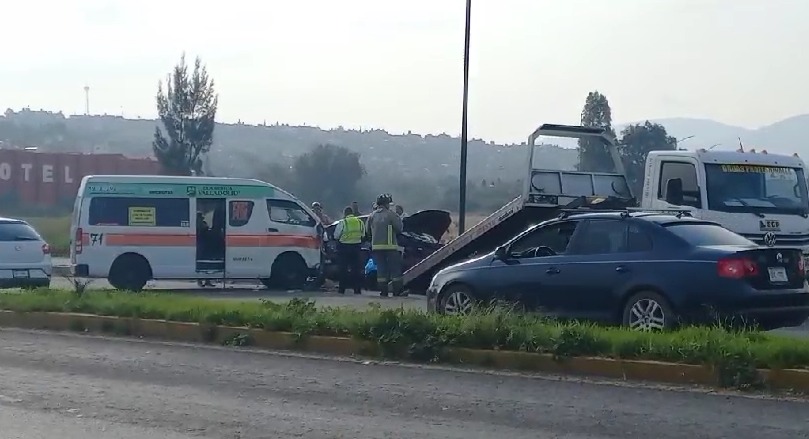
point(349, 232)
point(383, 226)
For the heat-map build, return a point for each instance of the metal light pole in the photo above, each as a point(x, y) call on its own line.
point(462, 201)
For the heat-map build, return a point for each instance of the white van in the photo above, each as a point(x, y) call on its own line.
point(131, 229)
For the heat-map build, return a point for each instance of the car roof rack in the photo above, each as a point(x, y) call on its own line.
point(679, 213)
point(564, 213)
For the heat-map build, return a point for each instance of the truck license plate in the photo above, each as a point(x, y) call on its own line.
point(778, 274)
point(20, 274)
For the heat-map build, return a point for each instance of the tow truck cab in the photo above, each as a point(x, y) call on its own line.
point(760, 196)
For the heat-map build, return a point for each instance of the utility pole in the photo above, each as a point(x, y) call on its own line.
point(462, 203)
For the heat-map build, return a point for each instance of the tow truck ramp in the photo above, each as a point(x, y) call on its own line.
point(546, 193)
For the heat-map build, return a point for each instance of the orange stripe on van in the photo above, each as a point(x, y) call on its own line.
point(174, 240)
point(150, 240)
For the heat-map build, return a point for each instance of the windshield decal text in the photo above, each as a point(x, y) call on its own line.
point(756, 169)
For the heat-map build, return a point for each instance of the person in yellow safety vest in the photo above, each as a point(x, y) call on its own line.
point(349, 232)
point(383, 225)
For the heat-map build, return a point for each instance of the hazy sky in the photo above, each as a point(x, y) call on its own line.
point(398, 65)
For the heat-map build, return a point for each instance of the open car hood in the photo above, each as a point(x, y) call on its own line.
point(431, 222)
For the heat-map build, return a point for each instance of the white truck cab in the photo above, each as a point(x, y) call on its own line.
point(760, 196)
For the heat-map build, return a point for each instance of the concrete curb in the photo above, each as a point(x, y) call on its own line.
point(796, 380)
point(60, 271)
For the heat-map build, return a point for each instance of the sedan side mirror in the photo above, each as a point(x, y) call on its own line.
point(501, 252)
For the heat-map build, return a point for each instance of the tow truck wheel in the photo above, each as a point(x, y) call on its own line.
point(457, 300)
point(648, 311)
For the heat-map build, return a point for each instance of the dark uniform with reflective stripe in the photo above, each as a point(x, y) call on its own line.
point(384, 225)
point(352, 229)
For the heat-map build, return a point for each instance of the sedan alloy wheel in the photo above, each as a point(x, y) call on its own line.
point(458, 301)
point(647, 315)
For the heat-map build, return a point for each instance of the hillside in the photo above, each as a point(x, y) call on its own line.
point(241, 150)
point(421, 169)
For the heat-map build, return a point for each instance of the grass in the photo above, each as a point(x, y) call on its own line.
point(55, 231)
point(418, 336)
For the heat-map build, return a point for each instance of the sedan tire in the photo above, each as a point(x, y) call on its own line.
point(648, 311)
point(457, 300)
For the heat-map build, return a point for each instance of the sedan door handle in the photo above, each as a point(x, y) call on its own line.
point(552, 270)
point(272, 229)
point(621, 269)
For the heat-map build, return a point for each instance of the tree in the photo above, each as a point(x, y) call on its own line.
point(187, 110)
point(594, 156)
point(636, 142)
point(329, 174)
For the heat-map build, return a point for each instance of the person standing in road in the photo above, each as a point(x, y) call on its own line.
point(356, 208)
point(349, 232)
point(318, 209)
point(383, 226)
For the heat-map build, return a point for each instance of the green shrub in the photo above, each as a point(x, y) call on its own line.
point(415, 335)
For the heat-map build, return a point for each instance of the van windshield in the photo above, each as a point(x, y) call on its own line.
point(756, 189)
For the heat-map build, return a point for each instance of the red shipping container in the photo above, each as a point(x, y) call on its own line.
point(50, 180)
point(69, 178)
point(7, 161)
point(25, 181)
point(45, 167)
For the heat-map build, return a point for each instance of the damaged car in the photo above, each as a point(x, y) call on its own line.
point(421, 236)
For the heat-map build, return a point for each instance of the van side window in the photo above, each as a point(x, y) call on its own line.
point(240, 213)
point(139, 212)
point(289, 212)
point(679, 185)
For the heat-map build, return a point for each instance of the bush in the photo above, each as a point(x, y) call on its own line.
point(418, 336)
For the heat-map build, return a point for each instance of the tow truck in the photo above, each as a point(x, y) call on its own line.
point(546, 193)
point(760, 196)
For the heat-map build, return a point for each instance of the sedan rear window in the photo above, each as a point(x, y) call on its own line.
point(18, 231)
point(706, 234)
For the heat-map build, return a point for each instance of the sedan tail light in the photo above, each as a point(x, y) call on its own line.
point(737, 268)
point(801, 266)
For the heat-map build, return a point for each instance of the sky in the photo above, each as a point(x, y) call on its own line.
point(399, 65)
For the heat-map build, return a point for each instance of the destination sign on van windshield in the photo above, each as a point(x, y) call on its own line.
point(177, 190)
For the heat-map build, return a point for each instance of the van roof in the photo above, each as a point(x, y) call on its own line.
point(178, 186)
point(173, 179)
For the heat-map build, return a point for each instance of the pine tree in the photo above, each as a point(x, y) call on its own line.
point(594, 156)
point(187, 110)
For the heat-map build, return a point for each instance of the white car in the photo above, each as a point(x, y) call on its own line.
point(26, 257)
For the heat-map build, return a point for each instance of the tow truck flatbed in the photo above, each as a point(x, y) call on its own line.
point(545, 194)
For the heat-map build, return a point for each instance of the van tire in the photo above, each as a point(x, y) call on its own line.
point(289, 272)
point(130, 272)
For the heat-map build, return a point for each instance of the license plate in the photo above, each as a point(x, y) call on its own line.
point(20, 274)
point(778, 274)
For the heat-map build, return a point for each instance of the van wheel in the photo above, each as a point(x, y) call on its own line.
point(648, 311)
point(289, 272)
point(129, 272)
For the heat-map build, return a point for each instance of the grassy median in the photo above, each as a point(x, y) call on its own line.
point(418, 336)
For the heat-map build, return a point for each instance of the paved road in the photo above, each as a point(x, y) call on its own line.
point(66, 384)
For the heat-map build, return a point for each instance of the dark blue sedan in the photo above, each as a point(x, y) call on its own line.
point(642, 270)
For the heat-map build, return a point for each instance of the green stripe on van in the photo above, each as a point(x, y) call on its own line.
point(169, 190)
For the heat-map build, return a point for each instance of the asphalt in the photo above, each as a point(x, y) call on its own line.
point(70, 385)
